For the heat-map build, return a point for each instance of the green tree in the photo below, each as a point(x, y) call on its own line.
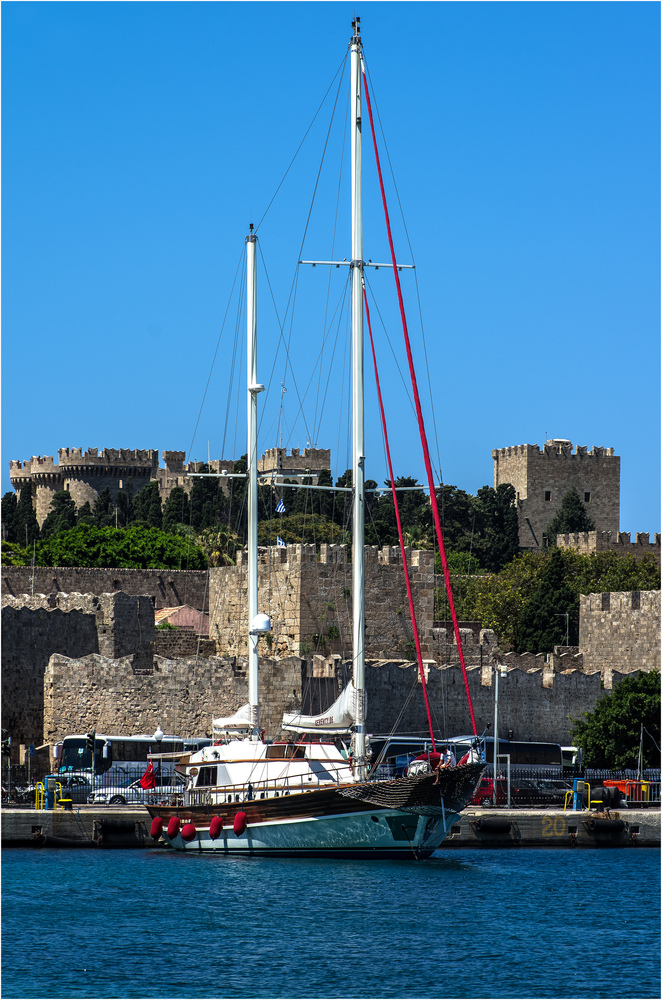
point(61, 516)
point(542, 623)
point(27, 526)
point(147, 506)
point(9, 512)
point(14, 555)
point(457, 515)
point(306, 529)
point(177, 509)
point(219, 545)
point(137, 547)
point(498, 541)
point(609, 735)
point(85, 515)
point(104, 509)
point(571, 516)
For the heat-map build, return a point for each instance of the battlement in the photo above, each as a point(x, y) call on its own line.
point(294, 462)
point(604, 541)
point(555, 447)
point(109, 456)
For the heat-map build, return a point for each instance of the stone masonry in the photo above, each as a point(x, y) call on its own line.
point(166, 587)
point(541, 477)
point(181, 695)
point(33, 628)
point(586, 542)
point(620, 630)
point(309, 600)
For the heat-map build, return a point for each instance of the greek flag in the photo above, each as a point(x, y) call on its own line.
point(280, 543)
point(280, 509)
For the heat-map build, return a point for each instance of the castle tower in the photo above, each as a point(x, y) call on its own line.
point(84, 474)
point(542, 476)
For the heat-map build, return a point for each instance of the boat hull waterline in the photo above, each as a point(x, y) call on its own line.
point(355, 821)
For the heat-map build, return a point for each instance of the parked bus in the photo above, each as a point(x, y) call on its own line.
point(523, 754)
point(117, 757)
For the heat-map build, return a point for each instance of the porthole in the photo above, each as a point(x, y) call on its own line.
point(375, 819)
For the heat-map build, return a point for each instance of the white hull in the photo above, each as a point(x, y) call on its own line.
point(374, 832)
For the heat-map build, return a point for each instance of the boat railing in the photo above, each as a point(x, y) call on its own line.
point(266, 788)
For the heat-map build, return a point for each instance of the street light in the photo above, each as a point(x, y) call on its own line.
point(566, 615)
point(499, 668)
point(158, 736)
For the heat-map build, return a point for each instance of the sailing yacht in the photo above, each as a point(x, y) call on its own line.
point(248, 795)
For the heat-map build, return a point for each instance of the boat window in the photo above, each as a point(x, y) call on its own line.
point(207, 776)
point(285, 751)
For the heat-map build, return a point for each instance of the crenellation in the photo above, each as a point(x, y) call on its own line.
point(586, 542)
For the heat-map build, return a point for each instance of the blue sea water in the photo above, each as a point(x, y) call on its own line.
point(481, 923)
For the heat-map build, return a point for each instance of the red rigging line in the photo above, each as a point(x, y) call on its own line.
point(419, 412)
point(397, 518)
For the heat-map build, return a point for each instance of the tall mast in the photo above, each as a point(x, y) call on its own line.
point(253, 389)
point(358, 446)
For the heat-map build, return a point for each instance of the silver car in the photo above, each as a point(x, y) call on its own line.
point(167, 787)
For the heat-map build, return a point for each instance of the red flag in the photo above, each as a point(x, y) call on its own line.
point(148, 779)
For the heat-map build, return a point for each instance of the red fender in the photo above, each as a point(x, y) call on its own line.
point(188, 831)
point(173, 827)
point(240, 823)
point(156, 829)
point(215, 828)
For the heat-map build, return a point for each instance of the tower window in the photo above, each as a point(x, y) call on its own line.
point(587, 497)
point(548, 494)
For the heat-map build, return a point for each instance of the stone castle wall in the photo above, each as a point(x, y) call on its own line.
point(181, 695)
point(620, 630)
point(586, 542)
point(308, 597)
point(168, 588)
point(541, 477)
point(33, 628)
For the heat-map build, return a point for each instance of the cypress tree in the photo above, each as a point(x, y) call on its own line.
point(27, 526)
point(9, 513)
point(542, 623)
point(61, 516)
point(571, 516)
point(177, 509)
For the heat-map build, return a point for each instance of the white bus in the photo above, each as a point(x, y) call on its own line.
point(117, 756)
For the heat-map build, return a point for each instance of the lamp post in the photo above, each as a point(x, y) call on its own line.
point(158, 736)
point(566, 615)
point(499, 668)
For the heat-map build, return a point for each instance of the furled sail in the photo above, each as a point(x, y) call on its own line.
point(240, 720)
point(342, 715)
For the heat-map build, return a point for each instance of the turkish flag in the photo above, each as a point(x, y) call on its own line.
point(148, 779)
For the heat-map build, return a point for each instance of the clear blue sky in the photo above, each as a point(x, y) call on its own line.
point(140, 139)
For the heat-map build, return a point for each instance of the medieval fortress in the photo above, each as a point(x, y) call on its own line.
point(86, 474)
point(80, 646)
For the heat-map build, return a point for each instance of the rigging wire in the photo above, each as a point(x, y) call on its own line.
point(426, 455)
point(412, 611)
point(298, 150)
point(218, 344)
point(416, 285)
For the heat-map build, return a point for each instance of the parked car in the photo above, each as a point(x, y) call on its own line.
point(77, 787)
point(484, 794)
point(132, 792)
point(523, 792)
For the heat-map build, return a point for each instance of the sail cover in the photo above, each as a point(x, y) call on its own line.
point(342, 715)
point(240, 720)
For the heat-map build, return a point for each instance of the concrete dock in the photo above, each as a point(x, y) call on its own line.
point(128, 826)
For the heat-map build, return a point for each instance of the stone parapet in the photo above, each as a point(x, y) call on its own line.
point(586, 542)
